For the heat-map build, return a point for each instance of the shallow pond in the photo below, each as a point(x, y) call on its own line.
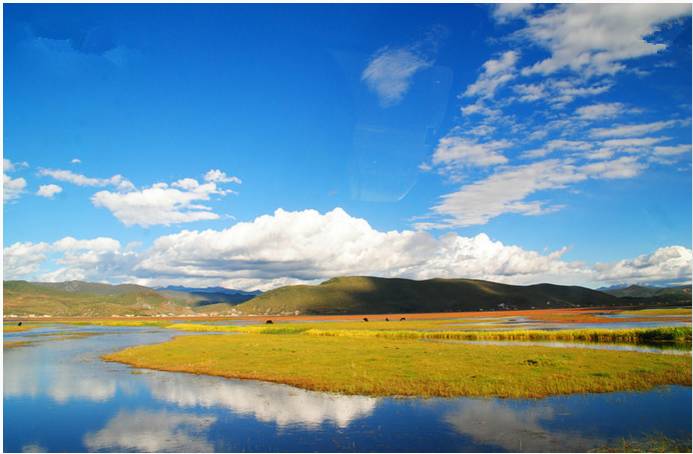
point(59, 396)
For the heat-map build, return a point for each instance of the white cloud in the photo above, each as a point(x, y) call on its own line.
point(117, 181)
point(557, 144)
point(505, 192)
point(508, 190)
point(98, 259)
point(597, 38)
point(454, 152)
point(666, 264)
point(12, 187)
point(297, 245)
point(217, 176)
point(531, 92)
point(565, 91)
point(23, 259)
point(632, 145)
point(479, 108)
point(624, 167)
point(76, 161)
point(600, 111)
point(308, 247)
point(482, 130)
point(389, 73)
point(634, 130)
point(495, 74)
point(48, 190)
point(505, 12)
point(559, 92)
point(164, 204)
point(672, 150)
point(600, 153)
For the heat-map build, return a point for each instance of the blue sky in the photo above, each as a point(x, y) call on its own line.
point(155, 144)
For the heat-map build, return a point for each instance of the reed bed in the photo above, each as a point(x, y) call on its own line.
point(635, 335)
point(679, 335)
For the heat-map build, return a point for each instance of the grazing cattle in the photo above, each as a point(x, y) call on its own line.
point(365, 319)
point(269, 322)
point(19, 324)
point(387, 319)
point(402, 319)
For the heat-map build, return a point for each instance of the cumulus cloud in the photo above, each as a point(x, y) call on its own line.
point(308, 247)
point(76, 161)
point(48, 190)
point(98, 259)
point(23, 259)
point(217, 176)
point(12, 187)
point(68, 176)
point(666, 264)
point(596, 39)
point(390, 70)
point(286, 245)
point(495, 73)
point(164, 204)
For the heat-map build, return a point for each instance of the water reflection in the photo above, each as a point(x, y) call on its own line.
point(514, 429)
point(59, 396)
point(152, 431)
point(267, 402)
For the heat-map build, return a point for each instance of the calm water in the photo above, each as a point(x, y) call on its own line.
point(58, 396)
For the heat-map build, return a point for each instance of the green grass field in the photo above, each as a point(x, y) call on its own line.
point(408, 367)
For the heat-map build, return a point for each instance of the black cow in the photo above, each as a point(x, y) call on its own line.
point(402, 319)
point(387, 319)
point(19, 324)
point(365, 319)
point(269, 322)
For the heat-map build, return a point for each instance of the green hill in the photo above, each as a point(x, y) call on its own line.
point(676, 293)
point(371, 295)
point(342, 295)
point(86, 299)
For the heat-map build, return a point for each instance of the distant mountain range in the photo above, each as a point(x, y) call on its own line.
point(224, 290)
point(85, 299)
point(682, 292)
point(342, 295)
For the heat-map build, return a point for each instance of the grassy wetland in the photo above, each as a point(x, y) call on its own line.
point(381, 358)
point(407, 367)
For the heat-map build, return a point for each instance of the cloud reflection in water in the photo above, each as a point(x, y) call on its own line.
point(267, 402)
